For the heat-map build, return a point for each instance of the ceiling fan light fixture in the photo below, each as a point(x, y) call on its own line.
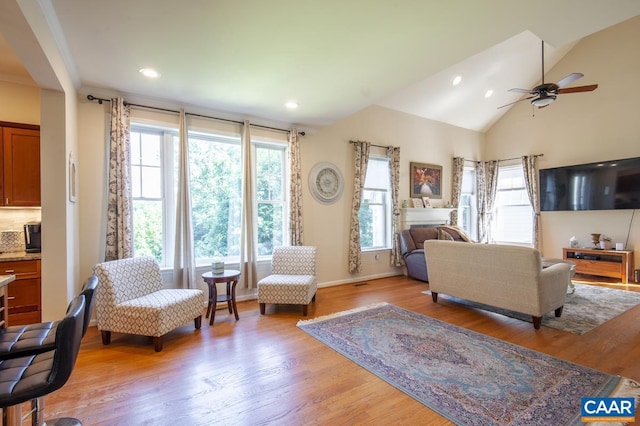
point(543, 100)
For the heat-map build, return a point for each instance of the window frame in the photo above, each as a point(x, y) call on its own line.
point(387, 210)
point(284, 182)
point(169, 171)
point(499, 208)
point(168, 193)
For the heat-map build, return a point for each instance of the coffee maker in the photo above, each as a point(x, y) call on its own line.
point(32, 237)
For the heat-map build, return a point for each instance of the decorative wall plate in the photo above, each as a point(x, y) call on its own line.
point(325, 183)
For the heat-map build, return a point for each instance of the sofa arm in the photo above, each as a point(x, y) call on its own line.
point(553, 284)
point(416, 265)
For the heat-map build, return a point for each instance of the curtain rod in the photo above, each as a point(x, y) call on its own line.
point(505, 159)
point(101, 100)
point(377, 146)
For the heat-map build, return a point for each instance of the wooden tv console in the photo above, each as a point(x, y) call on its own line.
point(604, 263)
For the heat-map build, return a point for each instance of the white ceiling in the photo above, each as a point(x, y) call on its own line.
point(334, 57)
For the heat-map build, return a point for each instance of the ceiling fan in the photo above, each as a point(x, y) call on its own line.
point(545, 93)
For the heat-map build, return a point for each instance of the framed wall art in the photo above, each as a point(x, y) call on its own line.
point(426, 180)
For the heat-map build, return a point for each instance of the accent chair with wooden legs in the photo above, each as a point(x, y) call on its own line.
point(292, 280)
point(131, 299)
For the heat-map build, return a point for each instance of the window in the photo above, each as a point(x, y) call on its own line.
point(513, 217)
point(270, 196)
point(153, 189)
point(468, 213)
point(375, 210)
point(215, 183)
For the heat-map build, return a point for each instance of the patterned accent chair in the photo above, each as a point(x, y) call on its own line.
point(131, 299)
point(292, 280)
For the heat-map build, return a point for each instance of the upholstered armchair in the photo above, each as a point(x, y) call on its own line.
point(131, 299)
point(292, 280)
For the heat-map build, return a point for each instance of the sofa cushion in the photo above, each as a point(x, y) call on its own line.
point(419, 235)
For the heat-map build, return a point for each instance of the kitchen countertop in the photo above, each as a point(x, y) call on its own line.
point(19, 255)
point(6, 279)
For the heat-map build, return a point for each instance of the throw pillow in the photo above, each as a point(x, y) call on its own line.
point(444, 235)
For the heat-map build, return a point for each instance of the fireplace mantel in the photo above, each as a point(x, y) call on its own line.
point(412, 217)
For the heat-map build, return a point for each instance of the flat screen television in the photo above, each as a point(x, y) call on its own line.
point(605, 185)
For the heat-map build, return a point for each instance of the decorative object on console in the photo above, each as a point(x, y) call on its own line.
point(426, 202)
point(573, 242)
point(605, 242)
point(326, 183)
point(595, 239)
point(217, 266)
point(426, 180)
point(417, 203)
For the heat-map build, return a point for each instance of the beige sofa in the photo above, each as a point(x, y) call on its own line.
point(508, 277)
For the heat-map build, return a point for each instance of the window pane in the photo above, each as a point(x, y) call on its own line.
point(374, 218)
point(215, 182)
point(270, 228)
point(513, 217)
point(377, 174)
point(150, 149)
point(269, 176)
point(151, 182)
point(147, 229)
point(467, 213)
point(149, 220)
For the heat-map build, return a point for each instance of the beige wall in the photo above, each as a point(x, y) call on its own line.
point(582, 128)
point(419, 139)
point(19, 103)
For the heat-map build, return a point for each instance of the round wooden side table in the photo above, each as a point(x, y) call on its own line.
point(229, 276)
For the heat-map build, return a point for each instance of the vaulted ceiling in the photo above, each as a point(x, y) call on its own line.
point(334, 57)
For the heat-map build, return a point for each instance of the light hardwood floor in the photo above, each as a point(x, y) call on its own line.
point(264, 370)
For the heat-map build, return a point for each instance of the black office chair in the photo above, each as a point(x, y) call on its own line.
point(31, 377)
point(32, 339)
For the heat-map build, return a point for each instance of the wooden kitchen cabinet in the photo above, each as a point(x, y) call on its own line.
point(25, 303)
point(20, 165)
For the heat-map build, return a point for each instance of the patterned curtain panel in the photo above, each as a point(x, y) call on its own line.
point(456, 187)
point(295, 187)
point(393, 154)
point(119, 244)
point(184, 264)
point(360, 173)
point(491, 182)
point(531, 180)
point(480, 203)
point(248, 243)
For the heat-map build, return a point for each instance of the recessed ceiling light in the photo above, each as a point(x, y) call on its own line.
point(457, 79)
point(291, 105)
point(149, 72)
point(488, 94)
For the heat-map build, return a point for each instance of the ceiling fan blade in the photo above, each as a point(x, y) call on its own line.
point(569, 79)
point(523, 99)
point(578, 89)
point(529, 91)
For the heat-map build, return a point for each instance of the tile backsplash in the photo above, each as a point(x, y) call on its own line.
point(13, 219)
